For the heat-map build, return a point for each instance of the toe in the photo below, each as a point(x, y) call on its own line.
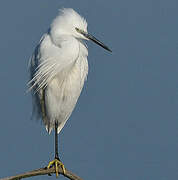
point(57, 169)
point(63, 168)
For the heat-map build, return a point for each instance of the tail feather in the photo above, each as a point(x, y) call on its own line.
point(49, 129)
point(50, 126)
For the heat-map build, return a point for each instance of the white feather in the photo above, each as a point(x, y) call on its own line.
point(59, 67)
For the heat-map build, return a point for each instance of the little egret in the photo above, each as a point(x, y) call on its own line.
point(58, 69)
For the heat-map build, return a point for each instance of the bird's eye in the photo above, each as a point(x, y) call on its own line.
point(78, 30)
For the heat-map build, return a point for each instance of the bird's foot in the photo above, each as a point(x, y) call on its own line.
point(56, 163)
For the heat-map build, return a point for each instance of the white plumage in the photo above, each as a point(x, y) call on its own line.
point(59, 67)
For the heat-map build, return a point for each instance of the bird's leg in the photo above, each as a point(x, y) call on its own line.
point(56, 141)
point(56, 162)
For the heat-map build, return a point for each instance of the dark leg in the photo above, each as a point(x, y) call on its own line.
point(56, 162)
point(56, 142)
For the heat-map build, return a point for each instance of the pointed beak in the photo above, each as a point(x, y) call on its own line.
point(92, 38)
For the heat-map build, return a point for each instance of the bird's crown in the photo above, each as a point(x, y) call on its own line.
point(66, 23)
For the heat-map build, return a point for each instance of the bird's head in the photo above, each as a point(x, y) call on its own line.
point(70, 23)
point(67, 23)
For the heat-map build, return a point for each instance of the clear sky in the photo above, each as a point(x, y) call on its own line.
point(125, 124)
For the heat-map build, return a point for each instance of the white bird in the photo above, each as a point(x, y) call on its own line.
point(58, 69)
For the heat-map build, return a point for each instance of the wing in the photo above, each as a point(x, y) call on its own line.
point(32, 66)
point(47, 61)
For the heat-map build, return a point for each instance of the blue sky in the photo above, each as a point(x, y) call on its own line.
point(125, 124)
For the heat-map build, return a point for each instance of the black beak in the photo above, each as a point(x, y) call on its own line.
point(92, 38)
